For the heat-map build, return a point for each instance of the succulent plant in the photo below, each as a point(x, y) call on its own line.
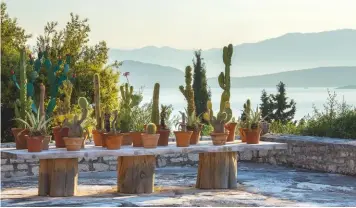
point(37, 125)
point(221, 118)
point(165, 111)
point(75, 127)
point(183, 124)
point(151, 128)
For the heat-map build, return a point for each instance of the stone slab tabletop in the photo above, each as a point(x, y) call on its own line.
point(93, 151)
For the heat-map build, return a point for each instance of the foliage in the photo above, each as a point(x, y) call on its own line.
point(266, 106)
point(207, 129)
point(200, 84)
point(37, 125)
point(141, 115)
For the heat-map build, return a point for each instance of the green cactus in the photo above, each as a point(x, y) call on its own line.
point(221, 118)
point(224, 78)
point(188, 91)
point(75, 128)
point(183, 124)
point(64, 106)
point(97, 101)
point(151, 128)
point(246, 111)
point(165, 111)
point(114, 122)
point(155, 105)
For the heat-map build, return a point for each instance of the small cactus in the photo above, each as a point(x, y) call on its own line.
point(75, 128)
point(151, 128)
point(164, 115)
point(221, 118)
point(183, 124)
point(155, 105)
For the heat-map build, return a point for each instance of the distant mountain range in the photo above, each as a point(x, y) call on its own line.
point(143, 74)
point(292, 51)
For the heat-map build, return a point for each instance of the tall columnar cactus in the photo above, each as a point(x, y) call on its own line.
point(97, 101)
point(42, 97)
point(128, 98)
point(221, 118)
point(75, 128)
point(188, 91)
point(224, 78)
point(107, 122)
point(155, 105)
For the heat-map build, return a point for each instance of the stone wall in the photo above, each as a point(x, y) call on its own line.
point(314, 153)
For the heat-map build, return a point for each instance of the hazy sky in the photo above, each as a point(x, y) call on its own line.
point(187, 24)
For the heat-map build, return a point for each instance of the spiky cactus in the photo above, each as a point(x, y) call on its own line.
point(151, 128)
point(107, 122)
point(183, 124)
point(165, 110)
point(246, 112)
point(97, 101)
point(114, 122)
point(224, 78)
point(75, 128)
point(221, 118)
point(42, 97)
point(155, 105)
point(188, 91)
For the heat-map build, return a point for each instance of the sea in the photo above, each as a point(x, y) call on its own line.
point(305, 98)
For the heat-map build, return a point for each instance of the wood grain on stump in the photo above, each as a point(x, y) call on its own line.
point(135, 174)
point(217, 170)
point(58, 177)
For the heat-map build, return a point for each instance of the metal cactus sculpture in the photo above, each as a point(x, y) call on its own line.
point(97, 101)
point(221, 118)
point(75, 128)
point(224, 78)
point(54, 80)
point(188, 91)
point(155, 105)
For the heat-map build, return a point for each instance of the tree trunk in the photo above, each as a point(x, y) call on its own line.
point(58, 177)
point(136, 174)
point(217, 170)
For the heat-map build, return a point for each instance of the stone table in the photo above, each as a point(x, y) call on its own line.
point(58, 172)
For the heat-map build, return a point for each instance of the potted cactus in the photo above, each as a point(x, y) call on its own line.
point(36, 127)
point(150, 138)
point(231, 127)
point(183, 136)
point(219, 136)
point(164, 131)
point(254, 130)
point(75, 138)
point(245, 116)
point(113, 138)
point(97, 132)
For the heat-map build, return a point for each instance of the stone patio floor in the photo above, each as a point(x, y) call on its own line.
point(259, 185)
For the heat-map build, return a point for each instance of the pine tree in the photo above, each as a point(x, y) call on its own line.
point(201, 94)
point(266, 106)
point(283, 111)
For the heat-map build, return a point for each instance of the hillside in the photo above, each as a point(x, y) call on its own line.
point(316, 77)
point(291, 51)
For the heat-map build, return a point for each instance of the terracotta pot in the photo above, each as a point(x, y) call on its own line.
point(113, 141)
point(136, 139)
point(194, 139)
point(59, 133)
point(163, 137)
point(243, 134)
point(150, 140)
point(127, 140)
point(46, 141)
point(73, 143)
point(103, 139)
point(183, 138)
point(253, 136)
point(219, 138)
point(98, 140)
point(231, 127)
point(20, 139)
point(34, 143)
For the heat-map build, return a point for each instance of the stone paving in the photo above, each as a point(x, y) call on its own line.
point(259, 185)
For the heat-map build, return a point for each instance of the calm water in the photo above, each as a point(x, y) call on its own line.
point(305, 98)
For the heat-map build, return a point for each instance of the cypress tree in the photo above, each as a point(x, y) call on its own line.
point(200, 84)
point(266, 106)
point(283, 111)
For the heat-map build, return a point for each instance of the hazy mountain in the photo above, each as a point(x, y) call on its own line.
point(144, 74)
point(288, 52)
point(316, 77)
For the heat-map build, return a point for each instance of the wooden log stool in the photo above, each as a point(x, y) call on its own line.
point(217, 170)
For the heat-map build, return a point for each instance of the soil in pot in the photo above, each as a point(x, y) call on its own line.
point(231, 127)
point(150, 140)
point(127, 140)
point(136, 139)
point(163, 137)
point(183, 138)
point(113, 141)
point(59, 133)
point(219, 138)
point(46, 141)
point(243, 134)
point(73, 143)
point(34, 143)
point(253, 136)
point(194, 139)
point(20, 139)
point(98, 140)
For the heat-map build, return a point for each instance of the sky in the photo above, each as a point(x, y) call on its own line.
point(186, 24)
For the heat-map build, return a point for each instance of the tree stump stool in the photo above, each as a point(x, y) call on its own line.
point(217, 170)
point(135, 174)
point(58, 177)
